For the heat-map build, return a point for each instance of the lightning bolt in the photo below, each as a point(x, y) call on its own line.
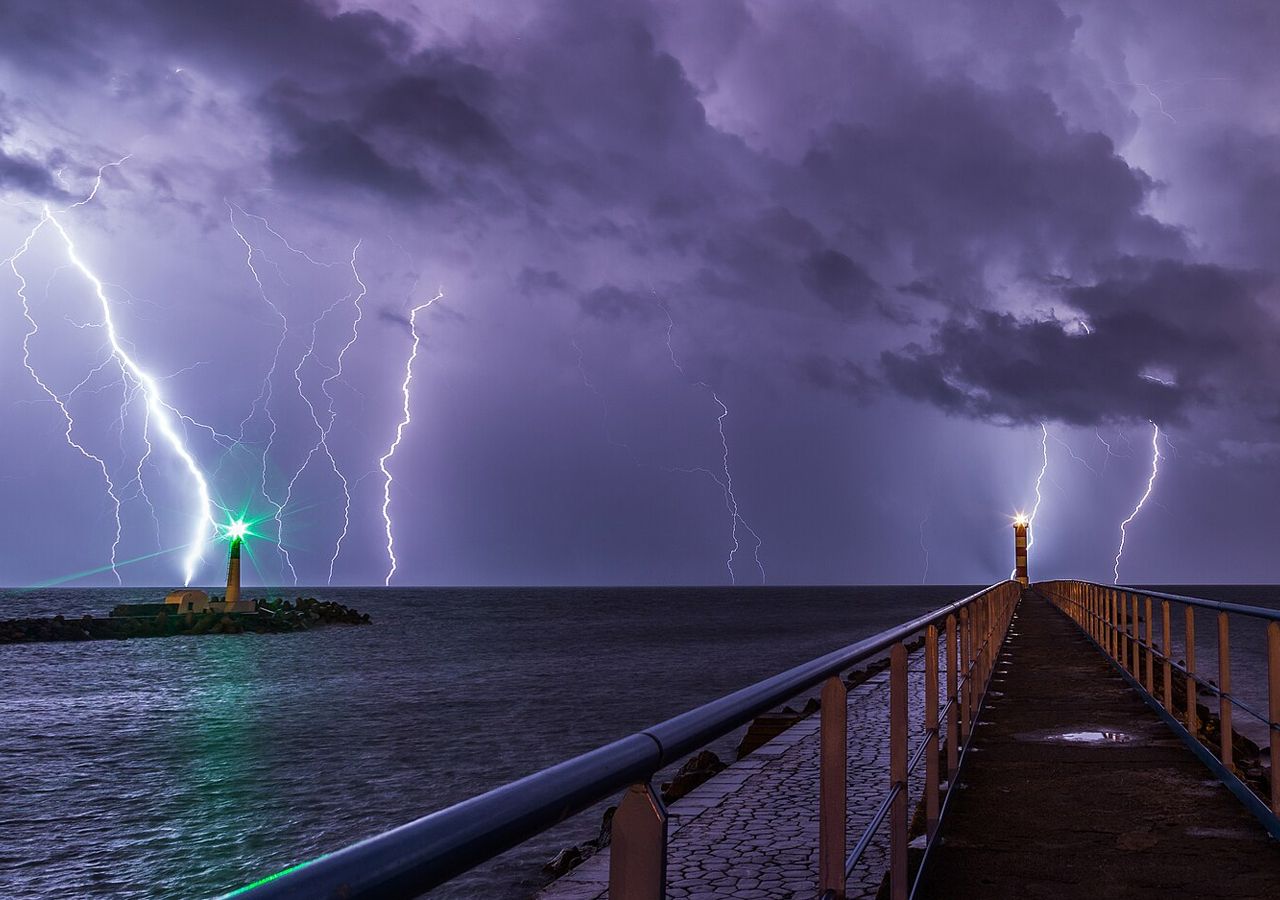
point(405, 419)
point(165, 418)
point(266, 392)
point(1080, 459)
point(324, 389)
point(1044, 467)
point(32, 330)
point(263, 400)
point(1156, 97)
point(725, 477)
point(589, 383)
point(1110, 452)
point(323, 431)
point(924, 577)
point(159, 412)
point(1151, 483)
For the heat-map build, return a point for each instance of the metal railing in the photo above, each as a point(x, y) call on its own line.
point(1114, 617)
point(412, 859)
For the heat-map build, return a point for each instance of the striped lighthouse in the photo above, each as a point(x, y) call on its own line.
point(1020, 525)
point(233, 574)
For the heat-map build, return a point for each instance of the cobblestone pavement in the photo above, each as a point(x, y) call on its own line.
point(751, 833)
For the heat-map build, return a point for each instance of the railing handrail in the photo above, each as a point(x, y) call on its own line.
point(422, 854)
point(1259, 612)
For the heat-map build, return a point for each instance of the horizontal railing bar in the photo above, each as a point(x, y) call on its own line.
point(1158, 653)
point(428, 851)
point(689, 731)
point(924, 745)
point(1258, 612)
point(870, 831)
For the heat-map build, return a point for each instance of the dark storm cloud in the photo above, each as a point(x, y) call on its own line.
point(1149, 352)
point(610, 303)
point(21, 172)
point(839, 281)
point(841, 376)
point(429, 109)
point(26, 174)
point(322, 152)
point(961, 174)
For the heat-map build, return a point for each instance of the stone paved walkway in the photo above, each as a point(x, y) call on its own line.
point(751, 833)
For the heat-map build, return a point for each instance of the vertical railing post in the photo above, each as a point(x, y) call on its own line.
point(1123, 608)
point(1166, 646)
point(1093, 617)
point(638, 852)
point(833, 768)
point(953, 701)
point(1224, 688)
point(1113, 622)
point(898, 772)
point(1134, 641)
point(1151, 659)
point(965, 647)
point(931, 728)
point(1273, 709)
point(1193, 725)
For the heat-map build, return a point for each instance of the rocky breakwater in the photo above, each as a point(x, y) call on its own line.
point(163, 620)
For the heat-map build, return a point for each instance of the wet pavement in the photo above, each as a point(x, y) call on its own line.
point(1075, 788)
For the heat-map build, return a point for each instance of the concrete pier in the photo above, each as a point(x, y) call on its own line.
point(1076, 789)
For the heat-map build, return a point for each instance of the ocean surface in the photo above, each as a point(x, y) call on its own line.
point(184, 767)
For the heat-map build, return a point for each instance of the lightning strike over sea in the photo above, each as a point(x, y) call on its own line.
point(1151, 483)
point(158, 412)
point(725, 478)
point(1044, 468)
point(405, 419)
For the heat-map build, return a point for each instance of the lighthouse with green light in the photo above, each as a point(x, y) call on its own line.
point(236, 531)
point(233, 566)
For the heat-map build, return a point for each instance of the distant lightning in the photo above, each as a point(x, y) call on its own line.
point(405, 419)
point(1110, 452)
point(731, 500)
point(924, 548)
point(265, 394)
point(263, 400)
point(1151, 483)
point(324, 388)
point(1080, 459)
point(322, 431)
point(1159, 100)
point(589, 383)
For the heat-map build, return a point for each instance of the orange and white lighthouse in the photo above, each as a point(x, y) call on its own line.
point(1020, 526)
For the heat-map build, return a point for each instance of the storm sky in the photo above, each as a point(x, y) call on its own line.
point(877, 246)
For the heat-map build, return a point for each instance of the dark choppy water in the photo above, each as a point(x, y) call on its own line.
point(183, 767)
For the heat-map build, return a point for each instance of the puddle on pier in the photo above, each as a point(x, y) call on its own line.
point(1101, 736)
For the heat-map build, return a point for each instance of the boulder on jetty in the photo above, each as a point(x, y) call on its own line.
point(273, 616)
